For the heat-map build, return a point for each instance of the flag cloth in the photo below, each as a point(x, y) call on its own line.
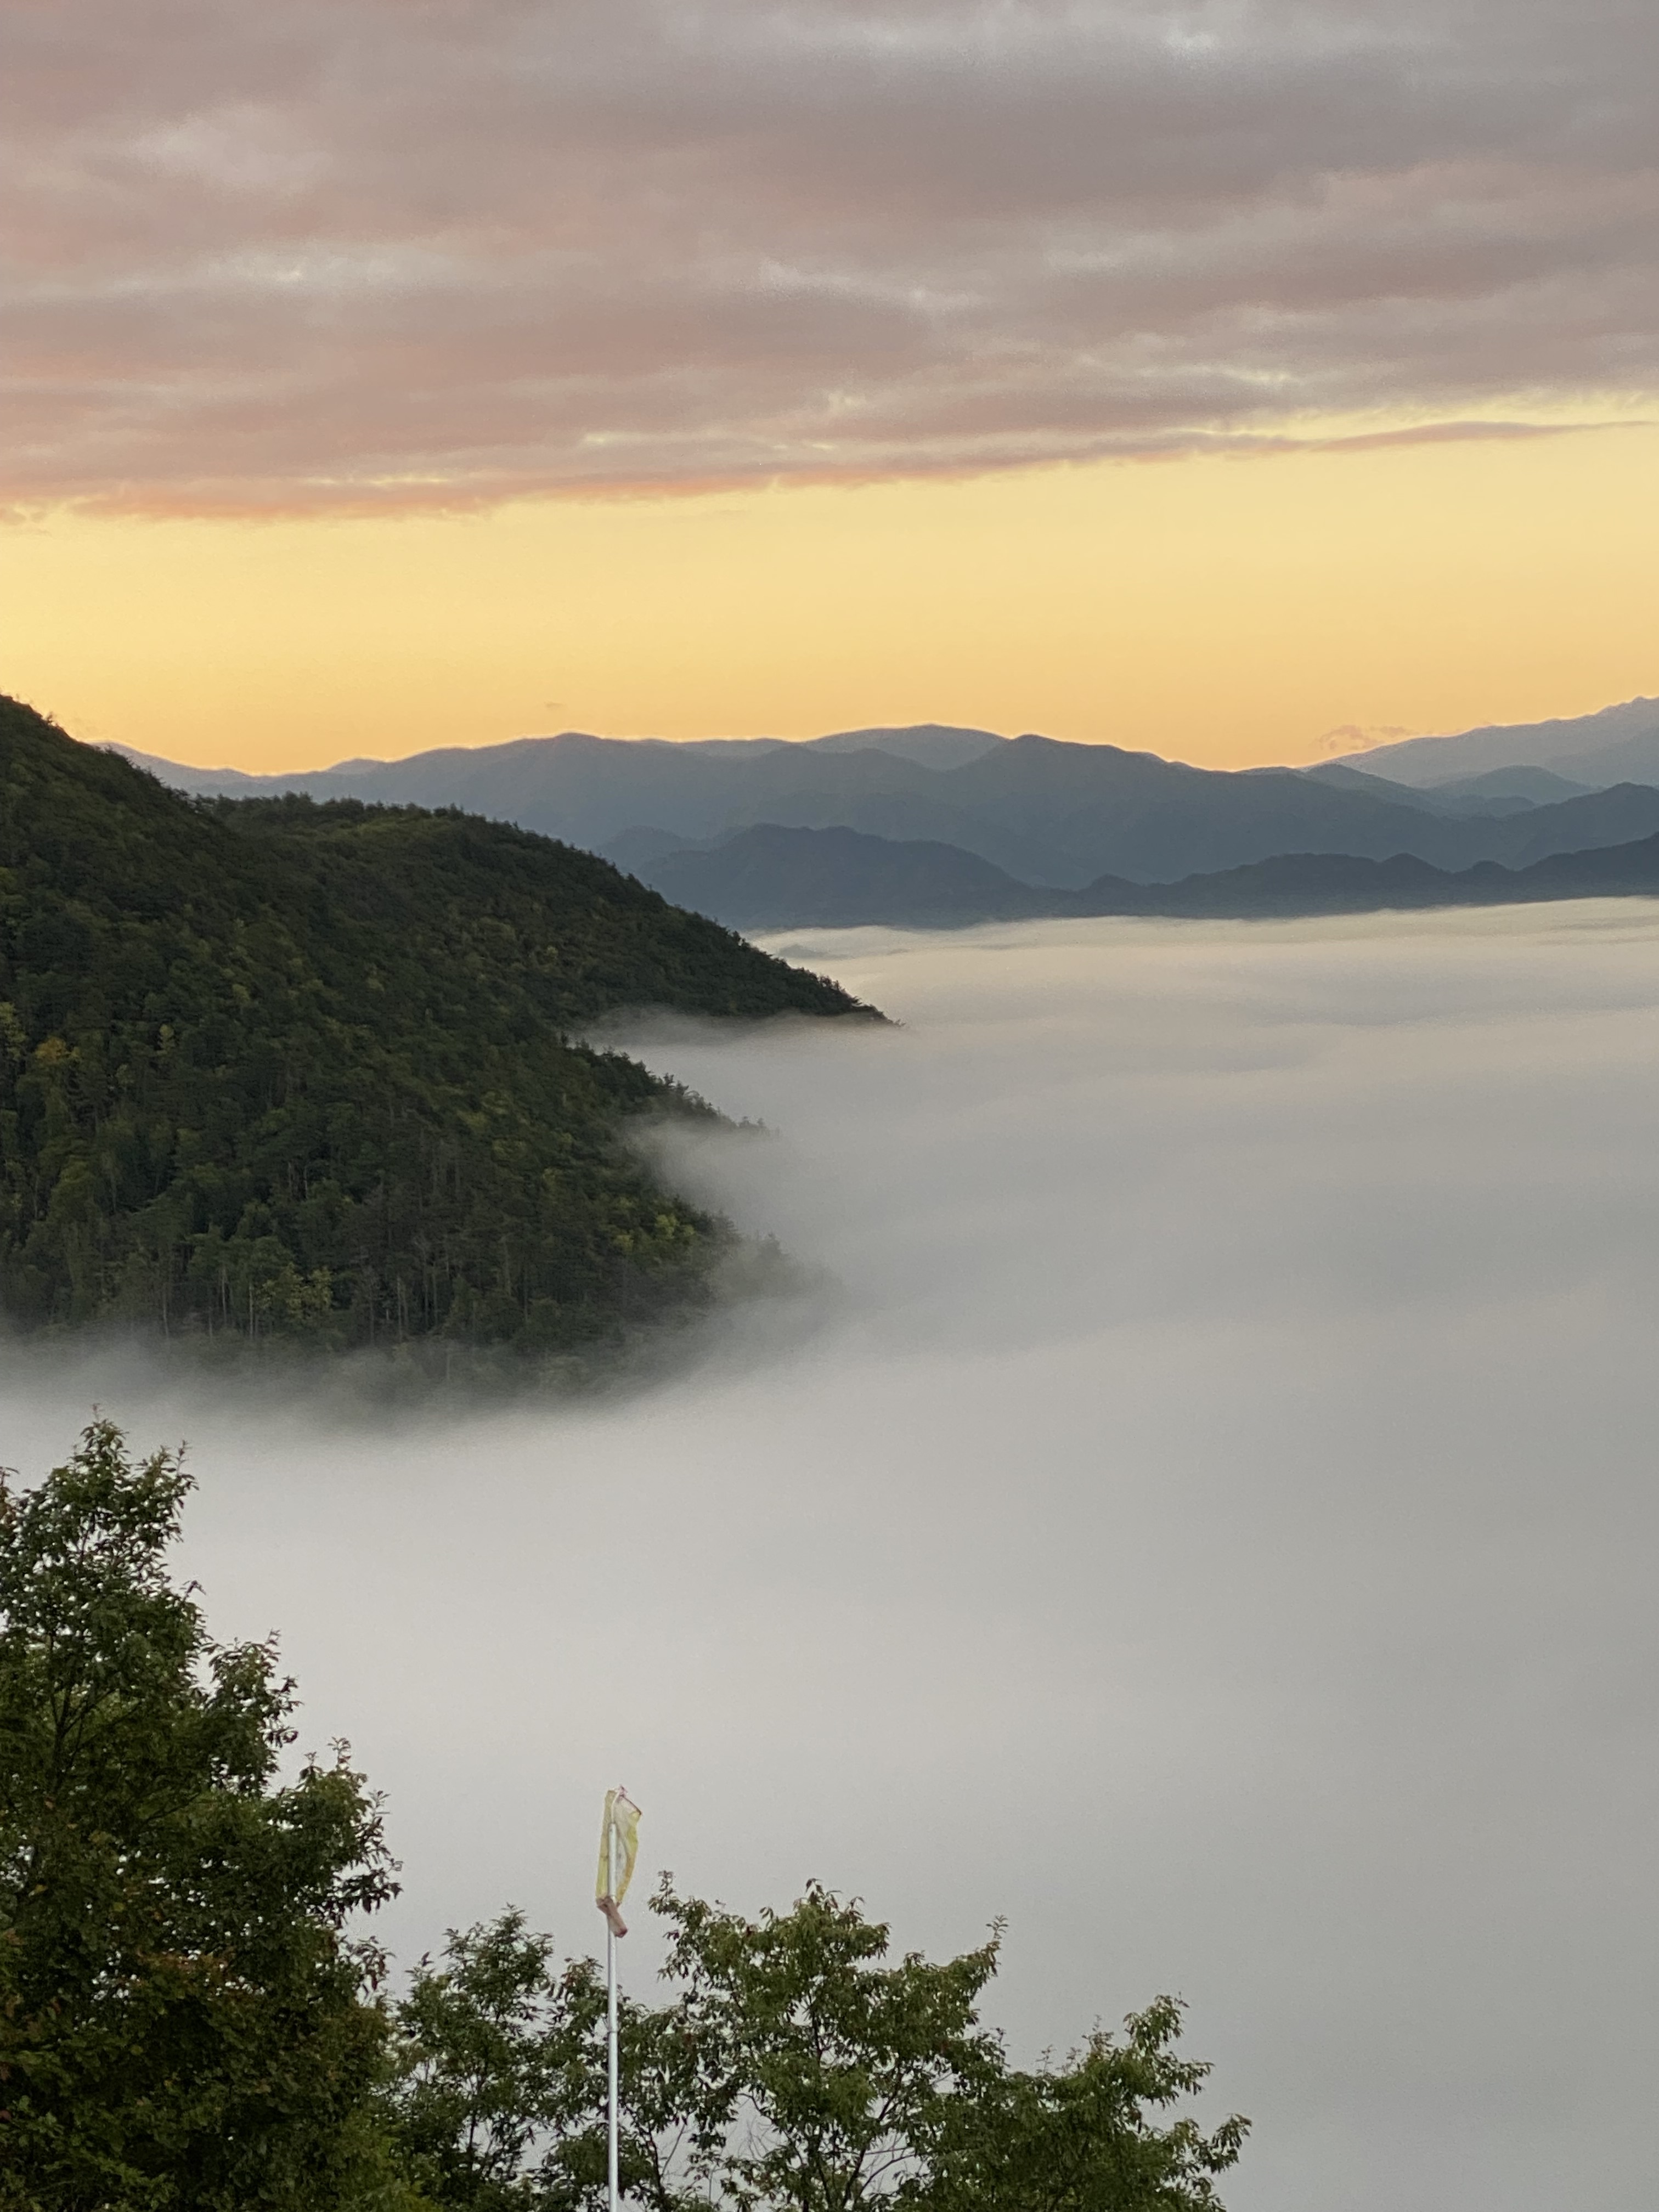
point(620, 1826)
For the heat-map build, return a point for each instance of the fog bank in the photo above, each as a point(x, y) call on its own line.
point(1213, 1525)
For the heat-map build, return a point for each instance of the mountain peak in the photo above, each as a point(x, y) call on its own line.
point(1612, 745)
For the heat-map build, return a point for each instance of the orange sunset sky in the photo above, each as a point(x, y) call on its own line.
point(1248, 384)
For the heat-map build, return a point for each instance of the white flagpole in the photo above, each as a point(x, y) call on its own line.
point(610, 1982)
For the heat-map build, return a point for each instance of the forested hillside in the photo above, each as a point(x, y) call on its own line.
point(277, 1068)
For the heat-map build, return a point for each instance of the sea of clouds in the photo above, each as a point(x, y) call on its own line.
point(1212, 1523)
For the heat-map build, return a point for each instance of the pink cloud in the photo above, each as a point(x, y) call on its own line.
point(294, 255)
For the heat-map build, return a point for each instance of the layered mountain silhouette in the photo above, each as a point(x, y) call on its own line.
point(1047, 814)
point(1618, 744)
point(771, 878)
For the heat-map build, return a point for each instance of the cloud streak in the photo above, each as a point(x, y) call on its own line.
point(438, 251)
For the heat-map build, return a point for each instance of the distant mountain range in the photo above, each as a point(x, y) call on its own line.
point(932, 823)
point(775, 878)
point(1619, 744)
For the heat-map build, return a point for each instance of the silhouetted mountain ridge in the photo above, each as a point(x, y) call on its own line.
point(1044, 811)
point(773, 878)
point(1615, 744)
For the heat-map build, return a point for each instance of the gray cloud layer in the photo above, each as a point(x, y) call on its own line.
point(311, 252)
point(1217, 1531)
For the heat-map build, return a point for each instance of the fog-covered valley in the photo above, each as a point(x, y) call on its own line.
point(1211, 1521)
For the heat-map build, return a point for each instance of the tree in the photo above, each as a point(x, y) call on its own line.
point(794, 2069)
point(500, 2091)
point(186, 2024)
point(826, 2075)
point(486, 2045)
point(1079, 2139)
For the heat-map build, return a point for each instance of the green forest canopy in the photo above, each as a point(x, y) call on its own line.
point(272, 1068)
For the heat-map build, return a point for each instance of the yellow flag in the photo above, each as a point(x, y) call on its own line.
point(619, 1846)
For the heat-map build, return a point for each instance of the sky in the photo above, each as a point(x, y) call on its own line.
point(1206, 1517)
point(1227, 379)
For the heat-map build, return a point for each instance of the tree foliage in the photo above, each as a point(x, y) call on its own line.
point(795, 2068)
point(184, 2021)
point(500, 2096)
point(1084, 2137)
point(826, 2072)
point(278, 1069)
point(484, 2050)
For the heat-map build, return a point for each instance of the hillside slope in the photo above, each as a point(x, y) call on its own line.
point(271, 1068)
